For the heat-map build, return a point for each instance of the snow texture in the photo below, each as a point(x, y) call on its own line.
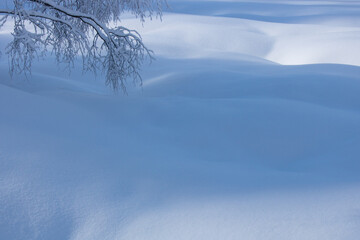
point(247, 127)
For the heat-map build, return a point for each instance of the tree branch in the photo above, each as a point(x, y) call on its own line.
point(66, 27)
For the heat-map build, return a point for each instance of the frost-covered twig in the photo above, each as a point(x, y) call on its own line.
point(80, 27)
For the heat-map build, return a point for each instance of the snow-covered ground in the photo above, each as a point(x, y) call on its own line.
point(247, 127)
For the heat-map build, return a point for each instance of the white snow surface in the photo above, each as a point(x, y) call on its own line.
point(247, 127)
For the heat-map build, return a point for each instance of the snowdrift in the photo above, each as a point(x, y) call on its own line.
point(247, 127)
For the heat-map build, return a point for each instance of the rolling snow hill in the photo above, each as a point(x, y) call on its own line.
point(247, 127)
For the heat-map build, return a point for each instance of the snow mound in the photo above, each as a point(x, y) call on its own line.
point(192, 36)
point(223, 141)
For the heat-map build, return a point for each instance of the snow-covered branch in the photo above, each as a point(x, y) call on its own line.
point(73, 28)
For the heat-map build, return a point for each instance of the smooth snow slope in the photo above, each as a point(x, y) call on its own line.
point(223, 141)
point(325, 39)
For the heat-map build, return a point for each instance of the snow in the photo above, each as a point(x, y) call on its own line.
point(247, 127)
point(188, 36)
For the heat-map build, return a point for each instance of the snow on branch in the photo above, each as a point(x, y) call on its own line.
point(71, 28)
